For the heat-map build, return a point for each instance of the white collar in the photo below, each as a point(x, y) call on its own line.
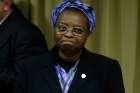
point(5, 18)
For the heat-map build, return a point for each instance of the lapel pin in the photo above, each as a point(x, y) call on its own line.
point(83, 76)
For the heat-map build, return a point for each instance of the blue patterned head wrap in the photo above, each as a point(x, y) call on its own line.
point(85, 8)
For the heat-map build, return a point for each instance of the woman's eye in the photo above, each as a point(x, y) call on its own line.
point(62, 28)
point(78, 30)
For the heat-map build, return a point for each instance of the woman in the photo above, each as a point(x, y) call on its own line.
point(69, 67)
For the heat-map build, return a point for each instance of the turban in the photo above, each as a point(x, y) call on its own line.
point(85, 8)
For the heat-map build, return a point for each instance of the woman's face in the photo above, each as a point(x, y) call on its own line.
point(71, 30)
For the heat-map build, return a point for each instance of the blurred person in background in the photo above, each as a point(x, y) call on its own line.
point(19, 39)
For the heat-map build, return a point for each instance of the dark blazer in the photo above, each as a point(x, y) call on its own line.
point(37, 75)
point(18, 39)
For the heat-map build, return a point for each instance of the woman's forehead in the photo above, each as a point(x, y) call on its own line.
point(73, 17)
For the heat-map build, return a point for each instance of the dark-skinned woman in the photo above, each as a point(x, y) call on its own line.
point(69, 67)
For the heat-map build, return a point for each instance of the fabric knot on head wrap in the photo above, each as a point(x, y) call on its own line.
point(85, 8)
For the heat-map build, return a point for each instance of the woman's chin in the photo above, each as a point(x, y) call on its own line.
point(66, 46)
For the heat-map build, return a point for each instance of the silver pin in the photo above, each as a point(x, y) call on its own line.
point(83, 76)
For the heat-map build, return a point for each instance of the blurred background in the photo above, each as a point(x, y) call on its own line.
point(117, 33)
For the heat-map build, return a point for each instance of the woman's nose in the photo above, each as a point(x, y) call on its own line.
point(69, 33)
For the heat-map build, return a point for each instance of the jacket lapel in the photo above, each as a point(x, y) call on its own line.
point(50, 76)
point(81, 77)
point(52, 80)
point(83, 74)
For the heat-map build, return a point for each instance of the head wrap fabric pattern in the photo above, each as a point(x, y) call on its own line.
point(85, 8)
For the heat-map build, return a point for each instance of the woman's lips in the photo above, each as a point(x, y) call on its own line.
point(66, 42)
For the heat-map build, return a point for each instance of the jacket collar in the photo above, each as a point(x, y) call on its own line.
point(9, 26)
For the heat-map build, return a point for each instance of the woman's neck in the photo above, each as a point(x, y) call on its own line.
point(70, 56)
